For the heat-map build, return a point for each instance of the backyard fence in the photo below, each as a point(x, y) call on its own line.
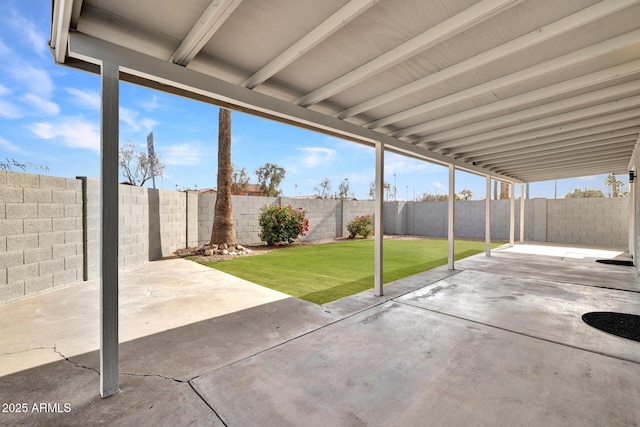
point(50, 226)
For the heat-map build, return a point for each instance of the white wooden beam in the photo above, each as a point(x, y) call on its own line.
point(436, 34)
point(560, 163)
point(161, 75)
point(339, 19)
point(605, 123)
point(615, 166)
point(521, 213)
point(109, 131)
point(531, 148)
point(60, 30)
point(585, 82)
point(536, 72)
point(531, 39)
point(632, 216)
point(487, 218)
point(512, 214)
point(378, 281)
point(580, 163)
point(451, 235)
point(211, 20)
point(609, 100)
point(585, 152)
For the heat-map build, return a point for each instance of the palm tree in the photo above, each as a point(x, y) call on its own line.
point(223, 230)
point(613, 184)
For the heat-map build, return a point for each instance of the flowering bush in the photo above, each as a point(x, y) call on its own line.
point(362, 225)
point(282, 224)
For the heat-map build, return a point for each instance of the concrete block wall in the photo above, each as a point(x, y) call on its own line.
point(41, 238)
point(246, 211)
point(352, 209)
point(50, 227)
point(602, 222)
point(324, 215)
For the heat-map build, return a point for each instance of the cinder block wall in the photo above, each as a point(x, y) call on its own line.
point(603, 221)
point(41, 238)
point(50, 227)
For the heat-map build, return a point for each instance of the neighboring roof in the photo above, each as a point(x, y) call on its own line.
point(522, 90)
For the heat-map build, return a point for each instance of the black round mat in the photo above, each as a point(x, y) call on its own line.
point(615, 262)
point(621, 324)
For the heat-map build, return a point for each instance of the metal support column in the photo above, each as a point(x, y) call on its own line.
point(379, 222)
point(487, 218)
point(109, 130)
point(632, 215)
point(521, 213)
point(512, 214)
point(451, 212)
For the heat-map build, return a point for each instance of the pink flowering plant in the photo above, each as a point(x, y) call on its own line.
point(360, 225)
point(282, 224)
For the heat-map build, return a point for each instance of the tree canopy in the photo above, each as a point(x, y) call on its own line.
point(270, 176)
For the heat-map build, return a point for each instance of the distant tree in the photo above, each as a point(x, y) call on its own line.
point(323, 190)
point(270, 176)
point(344, 189)
point(579, 193)
point(388, 191)
point(426, 197)
point(9, 164)
point(614, 184)
point(465, 194)
point(135, 166)
point(239, 180)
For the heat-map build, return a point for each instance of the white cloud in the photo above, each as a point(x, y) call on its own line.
point(316, 156)
point(148, 124)
point(12, 148)
point(9, 110)
point(130, 117)
point(73, 132)
point(152, 104)
point(186, 154)
point(587, 178)
point(42, 105)
point(4, 49)
point(35, 79)
point(30, 32)
point(89, 99)
point(438, 185)
point(4, 90)
point(395, 163)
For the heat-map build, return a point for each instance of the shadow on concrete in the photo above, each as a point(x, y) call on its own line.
point(155, 371)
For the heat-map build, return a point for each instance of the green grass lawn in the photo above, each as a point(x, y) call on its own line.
point(327, 272)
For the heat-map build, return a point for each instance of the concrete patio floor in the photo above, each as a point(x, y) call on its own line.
point(499, 341)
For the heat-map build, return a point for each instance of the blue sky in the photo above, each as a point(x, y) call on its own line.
point(50, 114)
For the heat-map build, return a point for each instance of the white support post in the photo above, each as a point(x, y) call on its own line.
point(379, 222)
point(512, 214)
point(632, 216)
point(521, 213)
point(109, 231)
point(487, 218)
point(452, 215)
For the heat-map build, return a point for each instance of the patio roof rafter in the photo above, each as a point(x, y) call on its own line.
point(342, 17)
point(535, 72)
point(613, 99)
point(452, 26)
point(176, 79)
point(585, 82)
point(205, 27)
point(526, 41)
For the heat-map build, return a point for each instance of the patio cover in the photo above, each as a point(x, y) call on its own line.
point(518, 90)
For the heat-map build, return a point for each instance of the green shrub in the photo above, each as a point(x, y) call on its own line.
point(360, 225)
point(282, 224)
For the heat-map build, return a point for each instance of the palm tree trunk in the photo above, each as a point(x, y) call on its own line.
point(223, 230)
